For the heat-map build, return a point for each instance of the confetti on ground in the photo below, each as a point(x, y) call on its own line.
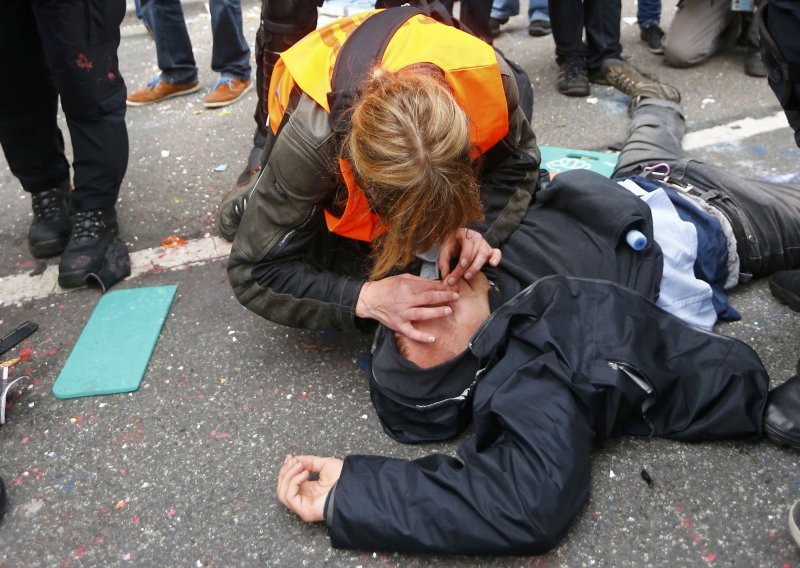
point(165, 153)
point(221, 168)
point(173, 241)
point(225, 112)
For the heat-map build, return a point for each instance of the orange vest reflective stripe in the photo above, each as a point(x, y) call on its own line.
point(470, 70)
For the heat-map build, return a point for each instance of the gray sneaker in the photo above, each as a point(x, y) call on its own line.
point(637, 86)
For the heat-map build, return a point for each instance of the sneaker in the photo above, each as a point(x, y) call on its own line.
point(633, 83)
point(158, 90)
point(785, 286)
point(226, 91)
point(753, 65)
point(51, 224)
point(539, 28)
point(494, 26)
point(794, 522)
point(93, 233)
point(652, 36)
point(572, 79)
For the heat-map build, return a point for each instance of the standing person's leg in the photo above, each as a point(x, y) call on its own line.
point(566, 21)
point(82, 55)
point(475, 15)
point(538, 18)
point(648, 14)
point(29, 134)
point(501, 11)
point(695, 32)
point(602, 19)
point(173, 51)
point(230, 54)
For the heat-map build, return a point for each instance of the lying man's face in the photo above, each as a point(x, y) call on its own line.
point(454, 332)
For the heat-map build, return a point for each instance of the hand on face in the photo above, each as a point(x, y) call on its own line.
point(400, 301)
point(304, 497)
point(473, 251)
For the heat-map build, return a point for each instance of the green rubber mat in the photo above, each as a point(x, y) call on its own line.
point(114, 348)
point(557, 159)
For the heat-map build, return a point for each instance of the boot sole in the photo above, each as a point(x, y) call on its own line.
point(72, 279)
point(781, 438)
point(785, 296)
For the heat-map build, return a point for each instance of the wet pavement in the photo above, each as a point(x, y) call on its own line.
point(182, 472)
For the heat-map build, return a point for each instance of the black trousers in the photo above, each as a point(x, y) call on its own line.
point(67, 49)
point(600, 19)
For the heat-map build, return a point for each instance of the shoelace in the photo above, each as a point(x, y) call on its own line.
point(86, 225)
point(45, 203)
point(226, 80)
point(152, 84)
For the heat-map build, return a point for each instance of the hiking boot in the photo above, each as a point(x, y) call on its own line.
point(785, 286)
point(539, 28)
point(753, 65)
point(653, 36)
point(158, 90)
point(494, 26)
point(51, 224)
point(572, 79)
point(227, 91)
point(633, 83)
point(93, 233)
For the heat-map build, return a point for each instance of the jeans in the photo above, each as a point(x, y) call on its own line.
point(66, 49)
point(648, 13)
point(765, 216)
point(601, 18)
point(230, 54)
point(504, 9)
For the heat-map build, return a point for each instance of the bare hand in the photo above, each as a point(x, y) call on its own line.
point(303, 497)
point(396, 301)
point(474, 253)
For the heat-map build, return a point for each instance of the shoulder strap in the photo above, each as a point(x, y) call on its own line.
point(360, 52)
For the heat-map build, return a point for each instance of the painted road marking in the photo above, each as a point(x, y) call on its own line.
point(734, 131)
point(21, 287)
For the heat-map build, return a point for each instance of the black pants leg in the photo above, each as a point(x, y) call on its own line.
point(602, 31)
point(79, 40)
point(566, 21)
point(32, 143)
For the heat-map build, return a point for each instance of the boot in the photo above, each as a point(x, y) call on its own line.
point(51, 224)
point(93, 232)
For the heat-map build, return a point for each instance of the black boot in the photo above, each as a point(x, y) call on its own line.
point(51, 224)
point(782, 414)
point(93, 232)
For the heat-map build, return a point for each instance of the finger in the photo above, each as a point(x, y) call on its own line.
point(414, 334)
point(294, 495)
point(422, 314)
point(432, 298)
point(312, 463)
point(480, 259)
point(284, 480)
point(496, 257)
point(445, 254)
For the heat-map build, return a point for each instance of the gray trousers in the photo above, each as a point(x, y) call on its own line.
point(696, 31)
point(765, 216)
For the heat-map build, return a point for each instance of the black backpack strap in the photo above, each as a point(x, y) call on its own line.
point(359, 54)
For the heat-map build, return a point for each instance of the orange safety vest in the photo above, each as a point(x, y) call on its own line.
point(470, 70)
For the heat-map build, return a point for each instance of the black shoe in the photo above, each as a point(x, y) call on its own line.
point(782, 414)
point(539, 28)
point(51, 224)
point(785, 286)
point(652, 36)
point(794, 522)
point(93, 233)
point(572, 79)
point(753, 65)
point(494, 26)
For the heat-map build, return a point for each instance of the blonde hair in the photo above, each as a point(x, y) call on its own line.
point(410, 150)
